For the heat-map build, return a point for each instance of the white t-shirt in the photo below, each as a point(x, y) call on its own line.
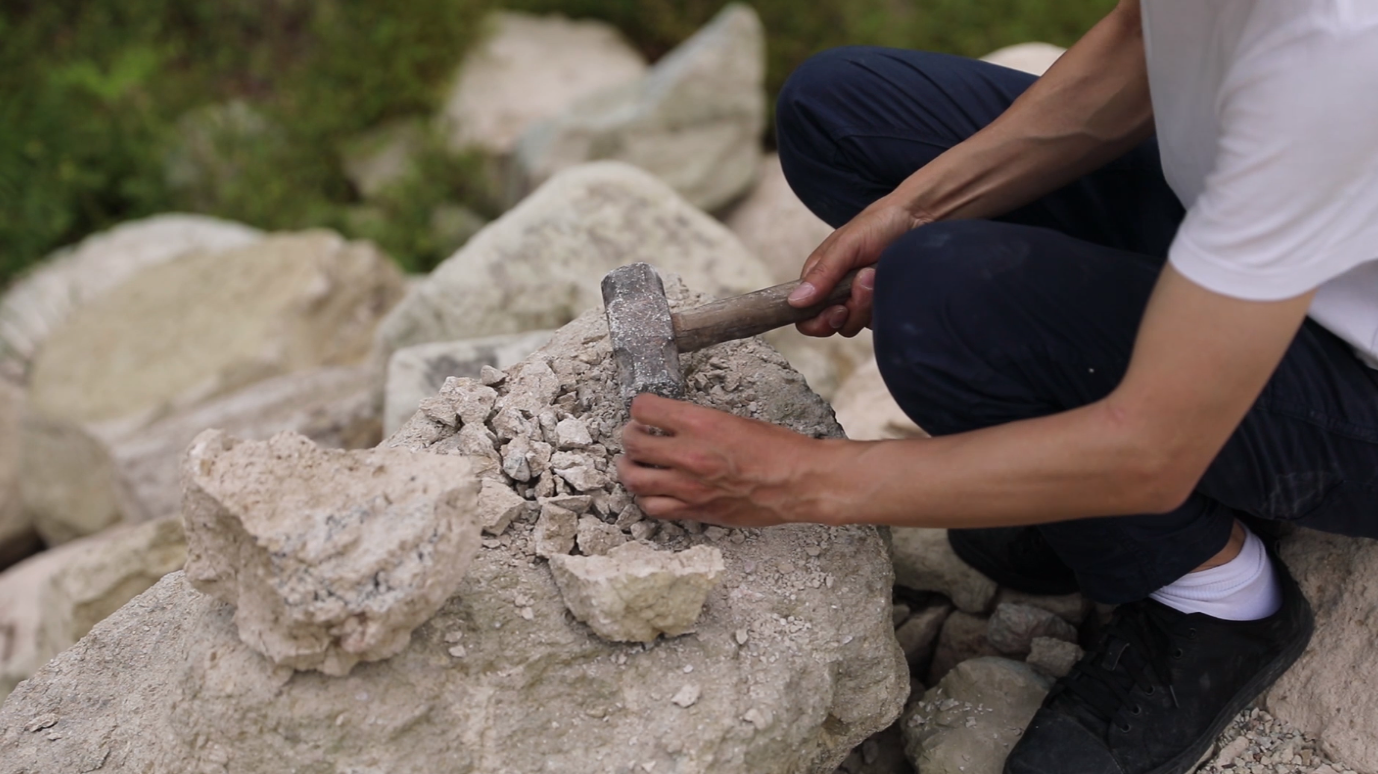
point(1267, 121)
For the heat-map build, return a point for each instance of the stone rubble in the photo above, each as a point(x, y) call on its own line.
point(1054, 658)
point(329, 557)
point(1012, 628)
point(694, 121)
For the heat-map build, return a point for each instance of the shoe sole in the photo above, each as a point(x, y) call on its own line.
point(1186, 760)
point(983, 563)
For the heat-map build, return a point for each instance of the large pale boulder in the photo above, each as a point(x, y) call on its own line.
point(695, 121)
point(42, 300)
point(539, 266)
point(1034, 58)
point(80, 479)
point(792, 663)
point(330, 557)
point(176, 336)
point(52, 600)
point(16, 527)
point(530, 68)
point(969, 721)
point(775, 225)
point(868, 412)
point(418, 372)
point(198, 327)
point(1329, 692)
point(924, 561)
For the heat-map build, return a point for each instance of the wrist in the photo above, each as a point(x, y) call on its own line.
point(829, 484)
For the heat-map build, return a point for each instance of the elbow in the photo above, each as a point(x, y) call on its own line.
point(1158, 474)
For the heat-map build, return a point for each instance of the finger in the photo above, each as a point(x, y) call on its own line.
point(645, 447)
point(663, 507)
point(828, 322)
point(656, 482)
point(859, 305)
point(822, 272)
point(664, 414)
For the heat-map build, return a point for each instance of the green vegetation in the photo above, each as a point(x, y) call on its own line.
point(92, 94)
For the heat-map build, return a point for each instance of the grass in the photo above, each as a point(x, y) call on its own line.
point(95, 97)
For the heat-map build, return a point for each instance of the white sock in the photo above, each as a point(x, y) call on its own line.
point(1242, 589)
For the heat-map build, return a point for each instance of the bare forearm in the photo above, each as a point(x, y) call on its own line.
point(1092, 106)
point(1075, 464)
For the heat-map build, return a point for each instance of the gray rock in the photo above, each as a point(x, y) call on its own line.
point(51, 600)
point(695, 121)
point(527, 69)
point(1072, 608)
point(918, 636)
point(775, 225)
point(498, 505)
point(596, 538)
point(882, 753)
point(1012, 628)
point(867, 411)
point(925, 562)
point(415, 373)
point(635, 593)
point(963, 637)
point(540, 265)
point(40, 301)
point(17, 535)
point(1054, 658)
point(968, 722)
point(383, 156)
point(329, 557)
point(1326, 693)
point(556, 531)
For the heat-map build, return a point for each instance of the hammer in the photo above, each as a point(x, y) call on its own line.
point(647, 338)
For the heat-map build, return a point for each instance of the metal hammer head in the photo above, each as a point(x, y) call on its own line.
point(642, 333)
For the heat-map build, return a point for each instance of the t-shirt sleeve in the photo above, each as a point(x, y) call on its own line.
point(1292, 198)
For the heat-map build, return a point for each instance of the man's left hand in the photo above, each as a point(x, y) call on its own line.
point(684, 461)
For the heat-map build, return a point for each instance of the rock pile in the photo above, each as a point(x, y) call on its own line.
point(791, 662)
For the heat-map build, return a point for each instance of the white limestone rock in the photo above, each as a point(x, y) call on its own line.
point(40, 301)
point(695, 121)
point(527, 69)
point(540, 265)
point(775, 225)
point(635, 593)
point(924, 561)
point(970, 720)
point(867, 411)
point(329, 557)
point(16, 525)
point(51, 600)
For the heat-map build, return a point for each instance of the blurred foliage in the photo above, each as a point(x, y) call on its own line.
point(95, 96)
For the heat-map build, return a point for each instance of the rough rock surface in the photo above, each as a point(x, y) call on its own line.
point(52, 600)
point(208, 323)
point(528, 69)
point(1072, 608)
point(1320, 694)
point(918, 635)
point(882, 753)
point(925, 562)
point(1054, 658)
point(866, 410)
point(418, 372)
point(329, 557)
point(963, 637)
point(1013, 628)
point(968, 722)
point(540, 265)
point(695, 121)
point(42, 300)
point(1259, 743)
point(81, 478)
point(635, 593)
point(16, 526)
point(793, 662)
point(1033, 58)
point(775, 225)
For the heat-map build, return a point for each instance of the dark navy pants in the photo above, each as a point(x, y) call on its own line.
point(980, 322)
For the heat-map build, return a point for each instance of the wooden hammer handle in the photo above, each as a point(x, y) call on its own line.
point(749, 315)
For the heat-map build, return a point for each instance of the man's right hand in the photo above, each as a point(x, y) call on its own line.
point(857, 244)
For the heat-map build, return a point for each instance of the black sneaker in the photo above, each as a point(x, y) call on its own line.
point(1160, 687)
point(1015, 557)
